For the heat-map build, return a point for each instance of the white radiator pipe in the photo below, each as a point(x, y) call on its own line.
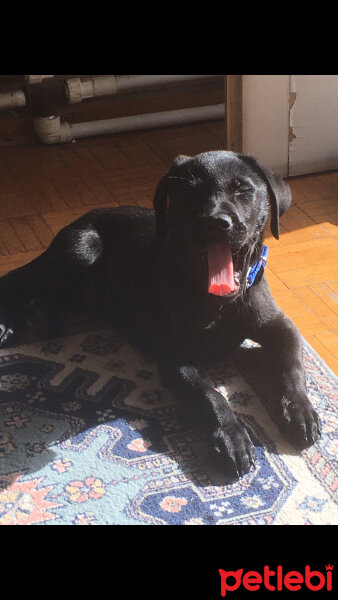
point(12, 99)
point(17, 98)
point(152, 120)
point(132, 82)
point(32, 79)
point(51, 131)
point(78, 89)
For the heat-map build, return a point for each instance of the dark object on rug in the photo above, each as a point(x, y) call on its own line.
point(175, 281)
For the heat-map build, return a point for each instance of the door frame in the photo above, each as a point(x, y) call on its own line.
point(234, 112)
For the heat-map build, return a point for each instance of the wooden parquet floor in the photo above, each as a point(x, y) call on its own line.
point(43, 188)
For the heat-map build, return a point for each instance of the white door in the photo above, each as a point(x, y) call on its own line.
point(313, 133)
point(290, 122)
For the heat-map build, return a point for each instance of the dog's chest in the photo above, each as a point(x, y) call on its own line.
point(216, 316)
point(216, 332)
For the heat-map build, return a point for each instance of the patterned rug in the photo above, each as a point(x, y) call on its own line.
point(88, 436)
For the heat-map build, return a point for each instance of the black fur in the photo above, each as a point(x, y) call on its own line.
point(146, 272)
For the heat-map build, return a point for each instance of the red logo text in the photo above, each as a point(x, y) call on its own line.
point(276, 580)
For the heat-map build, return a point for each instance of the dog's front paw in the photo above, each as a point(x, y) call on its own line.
point(233, 449)
point(300, 422)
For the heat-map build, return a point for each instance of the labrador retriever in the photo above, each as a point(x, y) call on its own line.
point(184, 281)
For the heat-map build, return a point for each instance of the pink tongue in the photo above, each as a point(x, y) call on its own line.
point(221, 270)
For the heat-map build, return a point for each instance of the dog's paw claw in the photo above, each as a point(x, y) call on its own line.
point(233, 450)
point(300, 422)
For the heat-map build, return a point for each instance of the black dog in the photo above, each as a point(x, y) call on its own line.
point(176, 281)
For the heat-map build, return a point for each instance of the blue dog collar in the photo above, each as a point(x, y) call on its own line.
point(255, 269)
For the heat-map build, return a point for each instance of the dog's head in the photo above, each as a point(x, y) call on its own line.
point(218, 204)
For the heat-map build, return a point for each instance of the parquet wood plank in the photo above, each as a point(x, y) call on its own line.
point(326, 294)
point(323, 210)
point(82, 191)
point(330, 340)
point(300, 313)
point(288, 302)
point(49, 163)
point(65, 188)
point(93, 184)
point(324, 353)
point(110, 157)
point(330, 228)
point(54, 199)
point(139, 153)
point(323, 185)
point(26, 234)
point(10, 239)
point(293, 236)
point(83, 152)
point(318, 307)
point(15, 204)
point(41, 229)
point(8, 183)
point(295, 218)
point(298, 254)
point(303, 190)
point(308, 326)
point(36, 196)
point(136, 174)
point(169, 148)
point(333, 285)
point(308, 275)
point(320, 205)
point(275, 284)
point(305, 263)
point(3, 232)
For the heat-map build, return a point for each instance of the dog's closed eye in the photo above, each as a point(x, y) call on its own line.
point(240, 186)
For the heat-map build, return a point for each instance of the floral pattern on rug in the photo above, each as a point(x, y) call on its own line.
point(88, 436)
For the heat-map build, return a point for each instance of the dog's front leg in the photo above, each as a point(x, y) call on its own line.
point(296, 417)
point(230, 443)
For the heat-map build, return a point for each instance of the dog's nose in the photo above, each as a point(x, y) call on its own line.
point(220, 222)
point(224, 222)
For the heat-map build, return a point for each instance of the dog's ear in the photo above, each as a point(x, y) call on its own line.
point(279, 191)
point(160, 199)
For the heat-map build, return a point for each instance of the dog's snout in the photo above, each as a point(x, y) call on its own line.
point(220, 223)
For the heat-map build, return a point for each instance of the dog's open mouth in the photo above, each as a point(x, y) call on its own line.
point(223, 279)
